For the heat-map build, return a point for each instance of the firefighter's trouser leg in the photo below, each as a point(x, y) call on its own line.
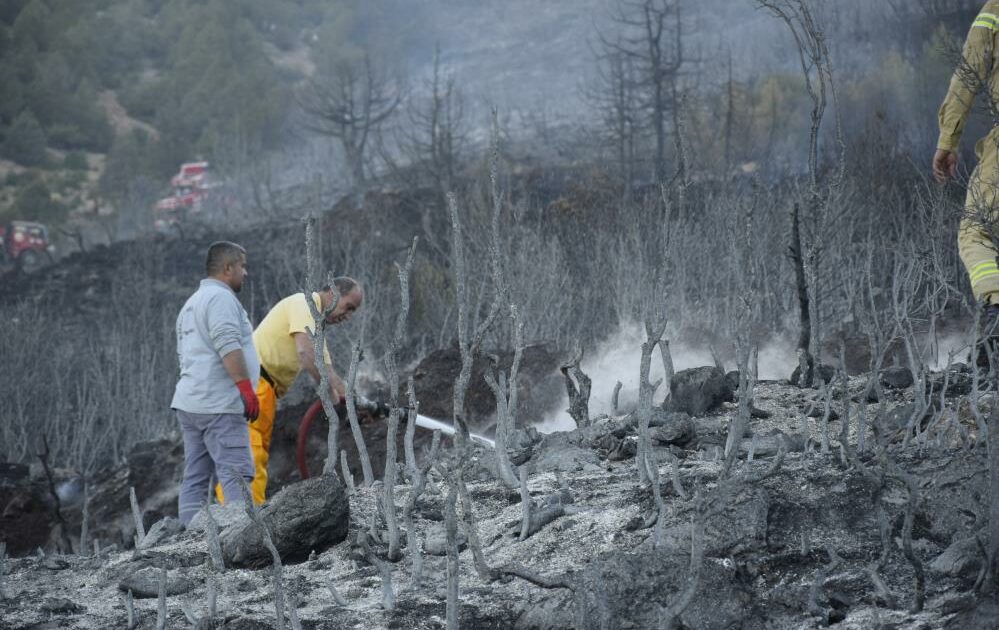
point(979, 225)
point(213, 443)
point(260, 442)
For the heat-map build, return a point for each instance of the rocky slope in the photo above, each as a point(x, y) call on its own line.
point(795, 538)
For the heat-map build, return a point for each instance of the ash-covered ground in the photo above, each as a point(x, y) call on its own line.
point(810, 533)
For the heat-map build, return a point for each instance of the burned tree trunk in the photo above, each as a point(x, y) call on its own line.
point(807, 362)
point(577, 385)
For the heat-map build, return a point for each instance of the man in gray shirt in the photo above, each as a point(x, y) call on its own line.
point(216, 393)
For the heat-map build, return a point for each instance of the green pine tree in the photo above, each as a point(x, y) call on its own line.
point(25, 141)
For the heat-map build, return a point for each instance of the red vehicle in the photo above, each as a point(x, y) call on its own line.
point(193, 189)
point(25, 244)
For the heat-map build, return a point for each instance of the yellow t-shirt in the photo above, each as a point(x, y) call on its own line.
point(275, 344)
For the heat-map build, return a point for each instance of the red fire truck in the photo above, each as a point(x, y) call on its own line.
point(25, 244)
point(192, 190)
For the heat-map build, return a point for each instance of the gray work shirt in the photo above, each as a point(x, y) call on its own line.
point(212, 324)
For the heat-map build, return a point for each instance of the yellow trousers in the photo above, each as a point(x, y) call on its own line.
point(980, 223)
point(260, 442)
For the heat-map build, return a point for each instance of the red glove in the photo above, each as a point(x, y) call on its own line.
point(251, 406)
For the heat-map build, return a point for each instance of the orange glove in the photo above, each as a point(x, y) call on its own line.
point(251, 405)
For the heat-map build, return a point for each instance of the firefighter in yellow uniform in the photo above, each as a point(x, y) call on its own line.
point(285, 348)
point(977, 72)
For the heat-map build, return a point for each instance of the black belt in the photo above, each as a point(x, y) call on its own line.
point(267, 377)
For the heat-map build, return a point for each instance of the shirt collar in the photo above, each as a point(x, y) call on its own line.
point(207, 282)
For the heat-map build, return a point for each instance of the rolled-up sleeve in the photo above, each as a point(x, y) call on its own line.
point(224, 318)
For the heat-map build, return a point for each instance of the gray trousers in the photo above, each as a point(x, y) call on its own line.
point(216, 444)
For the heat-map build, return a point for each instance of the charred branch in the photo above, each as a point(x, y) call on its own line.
point(577, 385)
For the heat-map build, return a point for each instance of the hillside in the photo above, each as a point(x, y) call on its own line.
point(797, 537)
point(103, 99)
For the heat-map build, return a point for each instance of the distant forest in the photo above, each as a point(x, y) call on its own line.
point(202, 79)
point(196, 73)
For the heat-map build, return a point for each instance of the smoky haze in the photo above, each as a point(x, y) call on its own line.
point(536, 55)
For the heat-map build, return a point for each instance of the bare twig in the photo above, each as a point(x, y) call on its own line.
point(412, 411)
point(130, 610)
point(85, 519)
point(293, 620)
point(577, 385)
point(318, 337)
point(278, 567)
point(388, 593)
point(657, 498)
point(469, 341)
point(774, 466)
point(213, 594)
point(335, 594)
point(161, 609)
point(525, 504)
point(392, 369)
point(524, 573)
point(355, 425)
point(388, 485)
point(646, 391)
point(140, 531)
point(61, 524)
point(739, 423)
point(453, 567)
point(486, 573)
point(614, 397)
point(674, 469)
point(214, 546)
point(407, 514)
point(503, 392)
point(345, 470)
point(668, 369)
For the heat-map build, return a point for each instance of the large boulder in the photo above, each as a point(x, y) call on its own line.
point(27, 507)
point(25, 513)
point(698, 390)
point(897, 377)
point(672, 428)
point(312, 515)
point(823, 373)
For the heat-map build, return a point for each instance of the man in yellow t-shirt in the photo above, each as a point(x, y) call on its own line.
point(285, 348)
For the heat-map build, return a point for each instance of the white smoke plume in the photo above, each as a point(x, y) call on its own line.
point(618, 358)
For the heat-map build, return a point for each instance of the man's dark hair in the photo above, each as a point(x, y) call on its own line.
point(220, 254)
point(343, 284)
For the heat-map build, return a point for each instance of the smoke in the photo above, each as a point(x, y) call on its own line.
point(618, 359)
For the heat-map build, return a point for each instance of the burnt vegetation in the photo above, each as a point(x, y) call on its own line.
point(853, 481)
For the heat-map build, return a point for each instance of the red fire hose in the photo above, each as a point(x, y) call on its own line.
point(314, 410)
point(366, 409)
